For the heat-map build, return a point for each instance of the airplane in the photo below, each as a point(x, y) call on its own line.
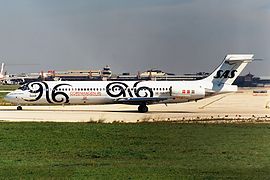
point(140, 93)
point(17, 79)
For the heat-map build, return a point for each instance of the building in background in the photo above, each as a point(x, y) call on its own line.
point(106, 74)
point(250, 80)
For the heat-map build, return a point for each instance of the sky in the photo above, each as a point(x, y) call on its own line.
point(178, 36)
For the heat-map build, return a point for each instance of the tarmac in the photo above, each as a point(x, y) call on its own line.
point(242, 106)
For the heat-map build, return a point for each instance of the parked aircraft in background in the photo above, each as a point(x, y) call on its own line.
point(141, 93)
point(18, 78)
point(2, 73)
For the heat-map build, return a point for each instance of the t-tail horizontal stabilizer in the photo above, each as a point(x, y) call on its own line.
point(222, 78)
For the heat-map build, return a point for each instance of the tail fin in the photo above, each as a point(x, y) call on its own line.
point(227, 72)
point(2, 68)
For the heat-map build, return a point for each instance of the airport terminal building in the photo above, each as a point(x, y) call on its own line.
point(106, 74)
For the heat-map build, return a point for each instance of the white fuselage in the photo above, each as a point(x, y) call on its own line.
point(106, 92)
point(140, 93)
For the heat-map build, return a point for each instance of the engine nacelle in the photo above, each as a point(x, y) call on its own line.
point(188, 93)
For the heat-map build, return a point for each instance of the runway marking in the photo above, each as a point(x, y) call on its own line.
point(202, 107)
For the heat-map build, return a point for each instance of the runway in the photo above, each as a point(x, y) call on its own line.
point(241, 106)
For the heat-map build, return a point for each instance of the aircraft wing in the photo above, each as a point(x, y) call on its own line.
point(139, 100)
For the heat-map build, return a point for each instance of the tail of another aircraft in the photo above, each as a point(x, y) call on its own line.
point(222, 78)
point(2, 70)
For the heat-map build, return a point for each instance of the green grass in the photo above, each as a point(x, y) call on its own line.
point(8, 87)
point(136, 151)
point(2, 101)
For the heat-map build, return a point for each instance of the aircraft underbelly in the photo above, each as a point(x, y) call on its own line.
point(90, 100)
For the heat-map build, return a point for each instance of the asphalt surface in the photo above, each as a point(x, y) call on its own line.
point(243, 106)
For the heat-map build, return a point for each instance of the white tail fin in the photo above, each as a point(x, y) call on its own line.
point(2, 71)
point(231, 67)
point(2, 68)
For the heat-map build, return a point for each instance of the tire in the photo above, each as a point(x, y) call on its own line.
point(143, 109)
point(19, 108)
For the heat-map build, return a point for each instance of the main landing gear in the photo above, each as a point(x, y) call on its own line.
point(143, 108)
point(19, 108)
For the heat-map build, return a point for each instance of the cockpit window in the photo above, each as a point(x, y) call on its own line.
point(24, 87)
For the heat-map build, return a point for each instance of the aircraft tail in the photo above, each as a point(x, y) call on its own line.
point(223, 77)
point(2, 68)
point(2, 73)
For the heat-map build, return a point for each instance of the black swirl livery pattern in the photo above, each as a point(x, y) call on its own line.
point(148, 92)
point(51, 97)
point(111, 89)
point(55, 94)
point(38, 91)
point(114, 89)
point(120, 89)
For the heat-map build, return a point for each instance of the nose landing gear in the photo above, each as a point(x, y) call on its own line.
point(19, 108)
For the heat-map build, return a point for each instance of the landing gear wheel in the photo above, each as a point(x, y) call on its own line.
point(143, 109)
point(19, 108)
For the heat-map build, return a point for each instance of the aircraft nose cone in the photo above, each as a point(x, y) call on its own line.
point(10, 97)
